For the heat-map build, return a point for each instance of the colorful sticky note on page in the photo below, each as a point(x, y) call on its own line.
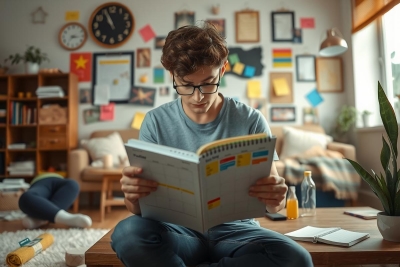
point(253, 89)
point(238, 68)
point(147, 33)
point(137, 120)
point(314, 98)
point(233, 59)
point(281, 87)
point(249, 71)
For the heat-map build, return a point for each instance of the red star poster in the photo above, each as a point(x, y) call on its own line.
point(81, 65)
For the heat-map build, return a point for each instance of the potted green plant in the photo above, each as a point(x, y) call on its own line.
point(32, 58)
point(345, 121)
point(386, 185)
point(365, 117)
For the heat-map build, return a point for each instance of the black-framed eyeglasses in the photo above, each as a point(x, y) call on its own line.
point(207, 88)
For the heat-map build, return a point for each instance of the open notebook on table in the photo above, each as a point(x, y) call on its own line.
point(332, 236)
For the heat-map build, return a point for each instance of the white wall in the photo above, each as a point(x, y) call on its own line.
point(18, 32)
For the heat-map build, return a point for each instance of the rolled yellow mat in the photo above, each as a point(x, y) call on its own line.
point(27, 252)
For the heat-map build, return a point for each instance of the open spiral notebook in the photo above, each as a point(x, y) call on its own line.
point(332, 236)
point(203, 189)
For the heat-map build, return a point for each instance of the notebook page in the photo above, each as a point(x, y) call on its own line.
point(309, 232)
point(345, 237)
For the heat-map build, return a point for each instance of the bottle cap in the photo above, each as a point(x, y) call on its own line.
point(307, 173)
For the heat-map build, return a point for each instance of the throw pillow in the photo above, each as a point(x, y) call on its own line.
point(101, 146)
point(297, 141)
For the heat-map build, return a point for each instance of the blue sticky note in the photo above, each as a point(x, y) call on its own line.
point(249, 71)
point(314, 98)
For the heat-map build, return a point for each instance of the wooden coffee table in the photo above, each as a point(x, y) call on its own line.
point(110, 177)
point(374, 250)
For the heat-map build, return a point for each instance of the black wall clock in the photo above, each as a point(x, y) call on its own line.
point(111, 24)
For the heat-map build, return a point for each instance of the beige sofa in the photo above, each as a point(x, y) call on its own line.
point(89, 178)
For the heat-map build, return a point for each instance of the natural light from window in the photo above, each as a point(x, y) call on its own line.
point(391, 40)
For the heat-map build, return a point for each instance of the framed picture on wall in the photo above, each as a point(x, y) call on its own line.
point(283, 114)
point(282, 23)
point(247, 26)
point(184, 18)
point(259, 104)
point(305, 68)
point(219, 25)
point(143, 58)
point(329, 74)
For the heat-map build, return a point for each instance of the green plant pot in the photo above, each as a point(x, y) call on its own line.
point(389, 227)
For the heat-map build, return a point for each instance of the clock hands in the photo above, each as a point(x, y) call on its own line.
point(109, 20)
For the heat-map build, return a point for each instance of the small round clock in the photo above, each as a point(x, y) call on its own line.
point(72, 36)
point(111, 24)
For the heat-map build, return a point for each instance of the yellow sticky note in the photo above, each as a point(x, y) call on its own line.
point(253, 89)
point(137, 120)
point(281, 87)
point(228, 67)
point(71, 15)
point(238, 68)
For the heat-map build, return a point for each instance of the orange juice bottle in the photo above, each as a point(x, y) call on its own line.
point(292, 204)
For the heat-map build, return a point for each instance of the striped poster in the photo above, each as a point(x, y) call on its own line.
point(282, 58)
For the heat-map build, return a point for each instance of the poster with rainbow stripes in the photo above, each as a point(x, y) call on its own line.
point(282, 58)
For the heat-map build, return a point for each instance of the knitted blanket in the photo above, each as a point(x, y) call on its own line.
point(330, 172)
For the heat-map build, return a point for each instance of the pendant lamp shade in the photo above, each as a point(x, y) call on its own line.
point(333, 45)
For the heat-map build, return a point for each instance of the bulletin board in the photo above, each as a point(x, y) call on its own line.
point(273, 97)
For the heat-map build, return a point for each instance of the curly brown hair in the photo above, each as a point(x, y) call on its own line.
point(191, 47)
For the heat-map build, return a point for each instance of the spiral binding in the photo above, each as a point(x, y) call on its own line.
point(315, 239)
point(244, 143)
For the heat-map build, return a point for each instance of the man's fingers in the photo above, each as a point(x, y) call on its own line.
point(137, 189)
point(269, 188)
point(131, 171)
point(135, 196)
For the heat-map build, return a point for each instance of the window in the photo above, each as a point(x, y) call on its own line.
point(391, 48)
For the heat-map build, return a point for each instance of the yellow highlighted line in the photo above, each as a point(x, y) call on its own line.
point(177, 188)
point(122, 61)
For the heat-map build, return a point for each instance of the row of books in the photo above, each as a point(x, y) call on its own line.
point(22, 114)
point(26, 167)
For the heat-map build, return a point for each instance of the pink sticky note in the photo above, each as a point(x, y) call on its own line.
point(147, 33)
point(307, 23)
point(107, 112)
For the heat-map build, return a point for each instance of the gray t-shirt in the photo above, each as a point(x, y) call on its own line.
point(169, 125)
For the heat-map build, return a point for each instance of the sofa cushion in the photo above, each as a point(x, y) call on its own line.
point(297, 141)
point(101, 146)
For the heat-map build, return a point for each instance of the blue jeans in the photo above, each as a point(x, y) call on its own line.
point(144, 242)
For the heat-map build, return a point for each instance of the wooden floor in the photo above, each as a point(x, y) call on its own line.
point(111, 219)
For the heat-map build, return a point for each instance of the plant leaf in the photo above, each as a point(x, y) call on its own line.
point(397, 204)
point(385, 154)
point(388, 118)
point(373, 184)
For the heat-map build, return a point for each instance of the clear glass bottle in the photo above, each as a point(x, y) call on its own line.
point(308, 196)
point(292, 204)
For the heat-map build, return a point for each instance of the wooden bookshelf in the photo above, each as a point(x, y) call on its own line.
point(47, 144)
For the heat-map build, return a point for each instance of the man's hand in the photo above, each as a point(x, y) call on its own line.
point(135, 188)
point(271, 191)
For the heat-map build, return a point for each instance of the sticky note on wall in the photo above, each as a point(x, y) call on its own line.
point(253, 89)
point(281, 87)
point(137, 120)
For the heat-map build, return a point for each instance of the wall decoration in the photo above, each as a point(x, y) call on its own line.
point(164, 90)
point(329, 74)
point(215, 9)
point(184, 18)
point(307, 23)
point(39, 16)
point(249, 60)
point(85, 96)
point(137, 120)
point(305, 68)
point(314, 98)
point(282, 58)
point(143, 57)
point(115, 70)
point(142, 96)
point(144, 78)
point(158, 75)
point(310, 115)
point(91, 115)
point(219, 25)
point(111, 24)
point(259, 104)
point(81, 65)
point(147, 33)
point(280, 95)
point(297, 36)
point(72, 15)
point(283, 114)
point(72, 36)
point(159, 42)
point(254, 89)
point(107, 112)
point(247, 26)
point(282, 26)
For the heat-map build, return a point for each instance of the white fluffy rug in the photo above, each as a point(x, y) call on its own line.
point(54, 256)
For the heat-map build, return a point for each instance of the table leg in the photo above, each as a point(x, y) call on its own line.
point(103, 198)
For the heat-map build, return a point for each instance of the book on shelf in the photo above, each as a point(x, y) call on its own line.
point(366, 214)
point(332, 236)
point(203, 189)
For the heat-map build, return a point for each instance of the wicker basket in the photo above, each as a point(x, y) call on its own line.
point(9, 200)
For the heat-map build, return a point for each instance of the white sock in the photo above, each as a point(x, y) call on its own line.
point(73, 220)
point(31, 223)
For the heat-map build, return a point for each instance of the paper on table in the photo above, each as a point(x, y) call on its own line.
point(253, 89)
point(101, 94)
point(137, 120)
point(281, 87)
